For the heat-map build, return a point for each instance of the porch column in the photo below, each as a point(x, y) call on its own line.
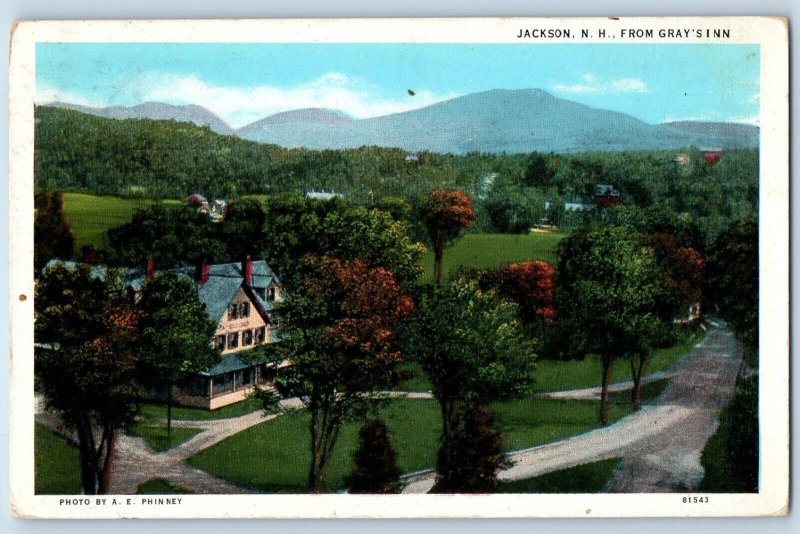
point(210, 387)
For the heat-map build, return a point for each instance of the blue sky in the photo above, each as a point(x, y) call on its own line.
point(245, 82)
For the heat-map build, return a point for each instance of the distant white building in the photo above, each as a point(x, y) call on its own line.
point(323, 195)
point(571, 205)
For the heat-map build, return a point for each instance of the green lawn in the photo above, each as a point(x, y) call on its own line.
point(532, 421)
point(587, 478)
point(273, 457)
point(553, 375)
point(159, 486)
point(156, 435)
point(416, 381)
point(57, 464)
point(185, 413)
point(488, 250)
point(91, 216)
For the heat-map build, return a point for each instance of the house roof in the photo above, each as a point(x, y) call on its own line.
point(224, 281)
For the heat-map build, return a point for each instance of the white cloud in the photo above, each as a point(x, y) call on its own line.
point(243, 105)
point(50, 95)
point(591, 84)
point(753, 119)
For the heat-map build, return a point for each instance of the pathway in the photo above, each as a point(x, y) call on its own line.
point(660, 445)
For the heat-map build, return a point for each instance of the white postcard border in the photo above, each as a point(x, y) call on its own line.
point(769, 33)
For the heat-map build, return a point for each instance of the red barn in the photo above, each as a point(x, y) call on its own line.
point(606, 196)
point(712, 157)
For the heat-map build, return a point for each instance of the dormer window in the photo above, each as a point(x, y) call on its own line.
point(271, 293)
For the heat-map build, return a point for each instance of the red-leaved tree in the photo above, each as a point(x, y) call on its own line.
point(446, 213)
point(530, 284)
point(340, 327)
point(682, 277)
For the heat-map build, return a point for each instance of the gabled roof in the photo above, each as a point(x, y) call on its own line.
point(224, 282)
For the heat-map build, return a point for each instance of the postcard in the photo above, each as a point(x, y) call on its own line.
point(399, 268)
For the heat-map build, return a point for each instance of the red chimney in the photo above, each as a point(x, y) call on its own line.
point(150, 270)
point(247, 270)
point(202, 273)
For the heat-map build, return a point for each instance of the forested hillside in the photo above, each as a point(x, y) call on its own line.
point(167, 159)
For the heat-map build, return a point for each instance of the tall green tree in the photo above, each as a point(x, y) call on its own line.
point(471, 346)
point(242, 230)
point(376, 469)
point(297, 228)
point(87, 362)
point(170, 235)
point(606, 290)
point(176, 334)
point(538, 173)
point(340, 327)
point(445, 213)
point(52, 232)
point(732, 279)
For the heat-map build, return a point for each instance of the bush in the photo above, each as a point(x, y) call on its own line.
point(376, 469)
point(475, 459)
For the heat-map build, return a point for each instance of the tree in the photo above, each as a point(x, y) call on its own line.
point(242, 229)
point(538, 173)
point(606, 295)
point(530, 284)
point(732, 280)
point(681, 274)
point(297, 228)
point(515, 209)
point(376, 469)
point(87, 368)
point(445, 213)
point(170, 235)
point(52, 232)
point(476, 458)
point(177, 333)
point(340, 327)
point(470, 344)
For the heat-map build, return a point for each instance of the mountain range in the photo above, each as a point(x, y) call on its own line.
point(498, 120)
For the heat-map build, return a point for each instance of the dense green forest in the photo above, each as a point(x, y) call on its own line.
point(167, 159)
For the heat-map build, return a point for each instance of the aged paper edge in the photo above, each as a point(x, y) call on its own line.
point(770, 33)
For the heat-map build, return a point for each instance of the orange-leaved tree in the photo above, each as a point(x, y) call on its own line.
point(530, 284)
point(445, 213)
point(340, 330)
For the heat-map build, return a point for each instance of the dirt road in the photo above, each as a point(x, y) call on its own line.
point(660, 445)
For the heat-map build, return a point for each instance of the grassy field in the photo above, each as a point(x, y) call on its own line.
point(487, 250)
point(91, 216)
point(553, 375)
point(159, 486)
point(57, 469)
point(151, 411)
point(587, 478)
point(278, 457)
point(156, 435)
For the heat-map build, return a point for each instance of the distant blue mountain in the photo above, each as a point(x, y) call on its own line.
point(494, 121)
point(197, 115)
point(499, 120)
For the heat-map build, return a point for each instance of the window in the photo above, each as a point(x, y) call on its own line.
point(233, 311)
point(247, 337)
point(244, 309)
point(221, 342)
point(233, 340)
point(260, 334)
point(271, 293)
